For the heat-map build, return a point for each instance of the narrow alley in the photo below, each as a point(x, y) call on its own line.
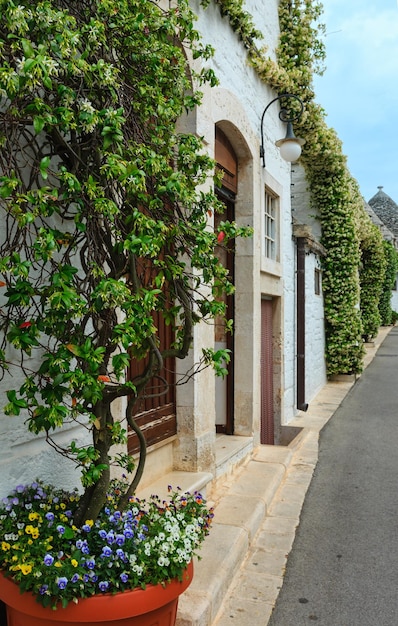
point(343, 568)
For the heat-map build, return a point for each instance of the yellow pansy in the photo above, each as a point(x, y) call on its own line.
point(26, 569)
point(74, 563)
point(5, 546)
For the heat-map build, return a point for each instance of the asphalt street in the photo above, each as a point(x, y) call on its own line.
point(343, 568)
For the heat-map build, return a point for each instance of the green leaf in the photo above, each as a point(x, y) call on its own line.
point(47, 82)
point(38, 124)
point(44, 163)
point(15, 404)
point(68, 533)
point(27, 48)
point(120, 361)
point(29, 64)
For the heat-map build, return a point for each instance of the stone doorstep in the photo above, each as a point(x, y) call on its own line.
point(239, 515)
point(186, 481)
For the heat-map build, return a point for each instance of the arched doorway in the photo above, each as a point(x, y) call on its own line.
point(227, 163)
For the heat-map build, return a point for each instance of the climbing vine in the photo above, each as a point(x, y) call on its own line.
point(391, 256)
point(333, 194)
point(372, 275)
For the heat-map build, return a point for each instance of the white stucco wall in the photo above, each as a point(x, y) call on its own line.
point(315, 364)
point(24, 456)
point(394, 298)
point(304, 213)
point(289, 284)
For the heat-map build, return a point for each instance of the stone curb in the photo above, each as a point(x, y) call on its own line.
point(238, 578)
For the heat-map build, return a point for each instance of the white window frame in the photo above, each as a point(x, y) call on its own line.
point(271, 228)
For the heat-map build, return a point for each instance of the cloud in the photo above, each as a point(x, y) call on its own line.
point(359, 90)
point(361, 61)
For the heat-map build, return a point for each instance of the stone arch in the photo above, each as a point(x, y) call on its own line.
point(194, 449)
point(230, 117)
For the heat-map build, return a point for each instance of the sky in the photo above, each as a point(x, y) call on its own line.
point(359, 88)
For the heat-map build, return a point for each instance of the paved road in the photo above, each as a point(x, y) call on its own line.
point(343, 568)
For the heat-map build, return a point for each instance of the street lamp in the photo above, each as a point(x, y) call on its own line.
point(290, 145)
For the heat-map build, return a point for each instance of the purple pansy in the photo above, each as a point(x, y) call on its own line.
point(106, 551)
point(48, 560)
point(62, 581)
point(103, 585)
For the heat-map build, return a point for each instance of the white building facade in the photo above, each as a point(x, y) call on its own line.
point(277, 346)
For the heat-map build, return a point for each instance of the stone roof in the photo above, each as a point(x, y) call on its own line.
point(386, 209)
point(386, 232)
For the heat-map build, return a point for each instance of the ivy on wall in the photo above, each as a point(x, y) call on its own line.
point(354, 266)
point(386, 313)
point(371, 275)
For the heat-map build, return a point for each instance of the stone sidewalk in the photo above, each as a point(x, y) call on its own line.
point(256, 515)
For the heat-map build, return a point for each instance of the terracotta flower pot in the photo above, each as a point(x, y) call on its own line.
point(154, 606)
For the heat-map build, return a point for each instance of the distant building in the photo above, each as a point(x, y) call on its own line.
point(386, 210)
point(385, 215)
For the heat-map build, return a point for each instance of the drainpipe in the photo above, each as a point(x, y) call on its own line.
point(300, 315)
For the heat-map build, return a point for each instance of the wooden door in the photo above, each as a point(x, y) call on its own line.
point(223, 339)
point(227, 163)
point(155, 410)
point(267, 374)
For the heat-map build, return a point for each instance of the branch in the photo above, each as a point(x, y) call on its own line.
point(142, 458)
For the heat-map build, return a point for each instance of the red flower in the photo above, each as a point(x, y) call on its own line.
point(220, 236)
point(104, 379)
point(25, 325)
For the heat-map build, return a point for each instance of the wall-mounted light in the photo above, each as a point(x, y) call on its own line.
point(290, 145)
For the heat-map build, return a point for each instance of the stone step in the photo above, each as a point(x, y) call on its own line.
point(186, 481)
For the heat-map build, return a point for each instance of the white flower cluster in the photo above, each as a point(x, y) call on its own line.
point(17, 17)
